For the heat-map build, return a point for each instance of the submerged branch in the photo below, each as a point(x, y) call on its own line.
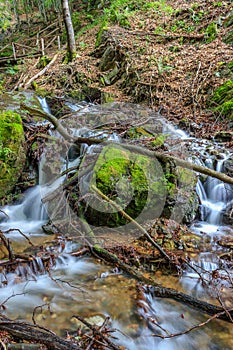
point(199, 325)
point(97, 333)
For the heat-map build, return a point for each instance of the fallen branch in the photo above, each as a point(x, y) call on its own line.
point(97, 332)
point(134, 222)
point(29, 332)
point(161, 156)
point(42, 72)
point(181, 162)
point(160, 291)
point(59, 128)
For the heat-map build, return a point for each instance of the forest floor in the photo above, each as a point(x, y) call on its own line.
point(173, 61)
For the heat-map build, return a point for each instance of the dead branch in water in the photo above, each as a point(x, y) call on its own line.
point(142, 150)
point(29, 332)
point(157, 289)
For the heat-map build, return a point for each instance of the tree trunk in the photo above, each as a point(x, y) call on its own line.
point(71, 45)
point(42, 10)
point(16, 13)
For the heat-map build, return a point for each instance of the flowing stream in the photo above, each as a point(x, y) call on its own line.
point(94, 290)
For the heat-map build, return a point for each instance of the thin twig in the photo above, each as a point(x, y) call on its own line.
point(97, 332)
point(191, 328)
point(136, 224)
point(23, 234)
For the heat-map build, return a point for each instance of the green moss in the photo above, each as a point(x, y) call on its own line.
point(230, 66)
point(102, 30)
point(138, 132)
point(185, 177)
point(132, 180)
point(12, 155)
point(158, 142)
point(222, 99)
point(44, 60)
point(211, 32)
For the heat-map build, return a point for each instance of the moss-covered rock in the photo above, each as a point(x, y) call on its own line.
point(222, 99)
point(142, 186)
point(182, 201)
point(12, 101)
point(12, 154)
point(131, 180)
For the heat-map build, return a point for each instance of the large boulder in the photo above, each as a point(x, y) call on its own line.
point(143, 186)
point(133, 181)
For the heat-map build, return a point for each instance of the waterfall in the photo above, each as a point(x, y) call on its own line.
point(27, 216)
point(44, 104)
point(214, 195)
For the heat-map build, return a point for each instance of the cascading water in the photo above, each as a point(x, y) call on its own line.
point(27, 216)
point(81, 283)
point(215, 197)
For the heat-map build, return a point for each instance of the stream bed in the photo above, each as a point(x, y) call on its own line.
point(83, 286)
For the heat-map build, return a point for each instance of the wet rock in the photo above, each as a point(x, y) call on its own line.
point(94, 319)
point(12, 101)
point(223, 136)
point(50, 229)
point(228, 167)
point(226, 242)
